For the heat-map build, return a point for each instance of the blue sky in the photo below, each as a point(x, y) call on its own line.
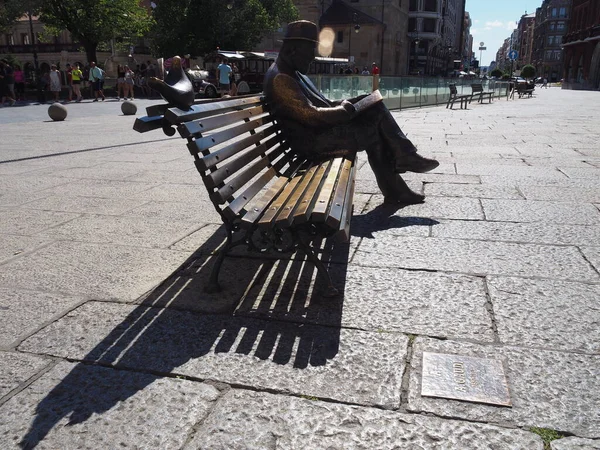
point(493, 21)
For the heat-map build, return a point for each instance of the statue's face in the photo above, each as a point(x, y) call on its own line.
point(304, 53)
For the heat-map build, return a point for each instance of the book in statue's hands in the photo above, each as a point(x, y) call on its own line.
point(368, 101)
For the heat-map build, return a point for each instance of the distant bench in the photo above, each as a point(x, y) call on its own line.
point(269, 196)
point(477, 90)
point(455, 96)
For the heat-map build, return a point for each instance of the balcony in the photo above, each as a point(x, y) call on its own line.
point(41, 48)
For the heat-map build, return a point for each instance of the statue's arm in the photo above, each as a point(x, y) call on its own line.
point(291, 102)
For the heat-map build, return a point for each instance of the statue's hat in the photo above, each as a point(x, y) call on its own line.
point(302, 30)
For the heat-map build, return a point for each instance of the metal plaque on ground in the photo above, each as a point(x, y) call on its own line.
point(465, 378)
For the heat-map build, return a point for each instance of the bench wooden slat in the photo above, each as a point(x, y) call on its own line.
point(207, 162)
point(304, 209)
point(268, 218)
point(324, 198)
point(215, 178)
point(238, 204)
point(265, 200)
point(336, 208)
point(286, 217)
point(199, 126)
point(198, 111)
point(219, 137)
point(344, 234)
point(232, 186)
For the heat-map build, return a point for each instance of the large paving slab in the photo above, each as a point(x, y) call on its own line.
point(89, 205)
point(575, 443)
point(23, 312)
point(548, 389)
point(380, 300)
point(477, 258)
point(14, 245)
point(97, 271)
point(537, 211)
point(531, 232)
point(341, 364)
point(17, 368)
point(28, 222)
point(471, 190)
point(90, 407)
point(541, 313)
point(276, 421)
point(439, 207)
point(135, 231)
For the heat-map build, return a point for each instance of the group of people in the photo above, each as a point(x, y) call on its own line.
point(348, 70)
point(75, 79)
point(227, 75)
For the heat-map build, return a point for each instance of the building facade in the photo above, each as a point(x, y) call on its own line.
point(551, 24)
point(525, 30)
point(581, 67)
point(435, 29)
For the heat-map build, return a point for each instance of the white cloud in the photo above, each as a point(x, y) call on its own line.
point(510, 26)
point(474, 31)
point(495, 24)
point(476, 21)
point(487, 28)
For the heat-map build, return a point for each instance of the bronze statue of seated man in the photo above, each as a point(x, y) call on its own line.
point(320, 128)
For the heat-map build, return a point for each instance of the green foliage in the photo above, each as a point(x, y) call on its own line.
point(95, 21)
point(548, 435)
point(528, 71)
point(497, 73)
point(11, 10)
point(199, 27)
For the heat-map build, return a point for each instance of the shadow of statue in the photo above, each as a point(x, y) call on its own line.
point(270, 310)
point(383, 218)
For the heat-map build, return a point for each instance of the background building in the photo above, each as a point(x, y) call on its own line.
point(551, 24)
point(581, 68)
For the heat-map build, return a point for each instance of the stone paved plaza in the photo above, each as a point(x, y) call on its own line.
point(108, 340)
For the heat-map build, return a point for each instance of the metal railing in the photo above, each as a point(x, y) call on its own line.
point(403, 92)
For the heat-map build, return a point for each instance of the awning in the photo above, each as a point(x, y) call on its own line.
point(230, 55)
point(472, 73)
point(462, 73)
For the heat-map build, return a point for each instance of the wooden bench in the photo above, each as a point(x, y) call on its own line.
point(525, 89)
point(268, 196)
point(477, 89)
point(454, 96)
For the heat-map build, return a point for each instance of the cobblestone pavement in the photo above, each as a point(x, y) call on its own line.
point(109, 341)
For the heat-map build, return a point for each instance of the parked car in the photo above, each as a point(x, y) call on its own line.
point(201, 86)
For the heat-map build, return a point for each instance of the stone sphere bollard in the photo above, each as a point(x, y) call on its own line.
point(57, 112)
point(128, 108)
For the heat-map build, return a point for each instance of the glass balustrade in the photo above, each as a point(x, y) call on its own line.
point(403, 92)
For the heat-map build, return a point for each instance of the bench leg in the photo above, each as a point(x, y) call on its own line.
point(322, 270)
point(213, 280)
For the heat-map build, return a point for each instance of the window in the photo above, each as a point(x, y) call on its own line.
point(560, 26)
point(412, 24)
point(24, 39)
point(10, 40)
point(430, 5)
point(340, 37)
point(562, 12)
point(554, 12)
point(552, 26)
point(429, 25)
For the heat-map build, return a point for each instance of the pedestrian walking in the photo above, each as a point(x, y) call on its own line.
point(128, 76)
point(7, 83)
point(55, 82)
point(69, 82)
point(76, 77)
point(19, 83)
point(96, 78)
point(545, 83)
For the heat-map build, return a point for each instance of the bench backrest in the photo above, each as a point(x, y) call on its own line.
point(477, 88)
point(237, 148)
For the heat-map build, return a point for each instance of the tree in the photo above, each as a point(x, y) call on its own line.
point(12, 10)
point(497, 73)
point(94, 21)
point(528, 71)
point(199, 27)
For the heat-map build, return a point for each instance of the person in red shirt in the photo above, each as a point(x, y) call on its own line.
point(375, 69)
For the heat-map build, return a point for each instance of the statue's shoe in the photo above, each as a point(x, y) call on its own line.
point(413, 162)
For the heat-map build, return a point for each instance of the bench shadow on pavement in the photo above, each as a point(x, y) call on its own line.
point(269, 309)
